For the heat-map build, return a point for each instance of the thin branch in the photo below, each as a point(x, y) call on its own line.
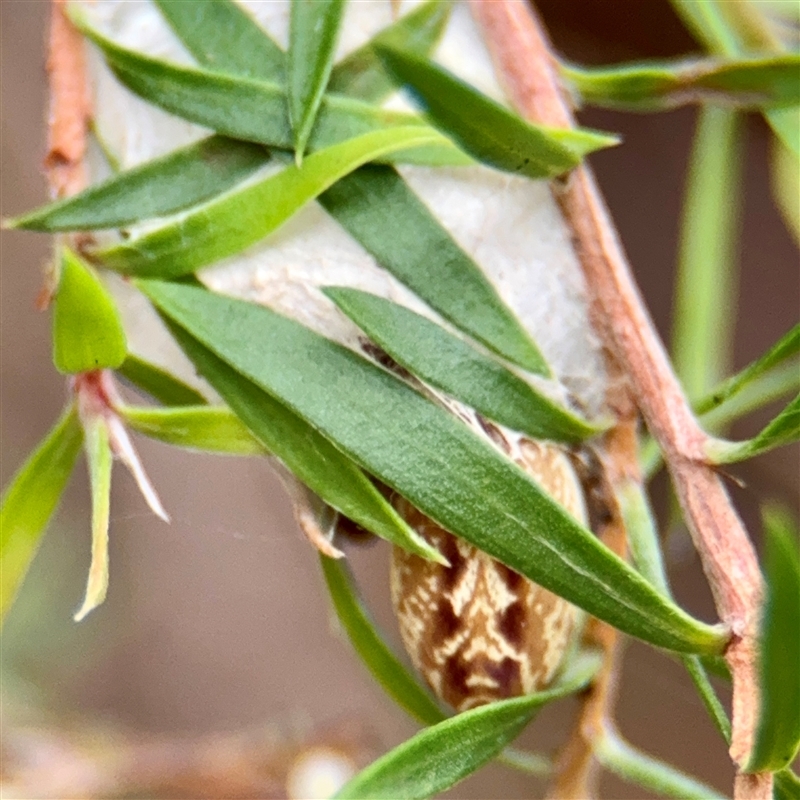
point(525, 61)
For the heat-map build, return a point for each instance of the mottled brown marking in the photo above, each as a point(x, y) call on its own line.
point(479, 631)
point(494, 433)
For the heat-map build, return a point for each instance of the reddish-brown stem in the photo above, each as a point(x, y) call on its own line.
point(526, 64)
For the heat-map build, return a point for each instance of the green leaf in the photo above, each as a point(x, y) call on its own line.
point(244, 216)
point(450, 364)
point(208, 428)
point(785, 348)
point(617, 756)
point(433, 459)
point(784, 429)
point(746, 82)
point(361, 74)
point(778, 735)
point(707, 275)
point(441, 756)
point(787, 785)
point(785, 124)
point(255, 110)
point(306, 452)
point(389, 671)
point(87, 330)
point(98, 455)
point(224, 37)
point(159, 384)
point(486, 130)
point(31, 499)
point(785, 181)
point(173, 182)
point(377, 208)
point(313, 33)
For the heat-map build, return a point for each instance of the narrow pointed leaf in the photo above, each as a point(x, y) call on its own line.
point(255, 110)
point(387, 668)
point(787, 785)
point(785, 348)
point(98, 455)
point(784, 429)
point(222, 36)
point(306, 452)
point(160, 385)
point(313, 33)
point(486, 130)
point(441, 756)
point(778, 734)
point(378, 209)
point(208, 428)
point(171, 183)
point(361, 74)
point(231, 223)
point(433, 459)
point(450, 364)
point(87, 330)
point(747, 83)
point(31, 499)
point(640, 769)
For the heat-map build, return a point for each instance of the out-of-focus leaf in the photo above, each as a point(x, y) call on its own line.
point(313, 32)
point(778, 734)
point(747, 83)
point(450, 364)
point(785, 179)
point(443, 468)
point(486, 130)
point(617, 756)
point(387, 668)
point(159, 384)
point(784, 429)
point(231, 223)
point(444, 754)
point(222, 36)
point(173, 182)
point(98, 456)
point(208, 428)
point(307, 453)
point(786, 347)
point(87, 330)
point(378, 209)
point(30, 500)
point(361, 74)
point(787, 785)
point(255, 110)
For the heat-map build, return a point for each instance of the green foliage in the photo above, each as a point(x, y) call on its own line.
point(442, 755)
point(162, 186)
point(778, 736)
point(230, 223)
point(305, 451)
point(484, 128)
point(652, 86)
point(87, 330)
point(361, 74)
point(377, 656)
point(31, 499)
point(447, 362)
point(98, 456)
point(445, 470)
point(313, 32)
point(211, 429)
point(160, 385)
point(378, 209)
point(254, 110)
point(222, 36)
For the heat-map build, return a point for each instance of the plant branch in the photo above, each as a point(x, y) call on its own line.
point(525, 61)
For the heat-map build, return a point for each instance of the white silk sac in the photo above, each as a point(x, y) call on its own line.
point(509, 225)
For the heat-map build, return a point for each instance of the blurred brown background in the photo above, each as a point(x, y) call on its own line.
point(219, 622)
